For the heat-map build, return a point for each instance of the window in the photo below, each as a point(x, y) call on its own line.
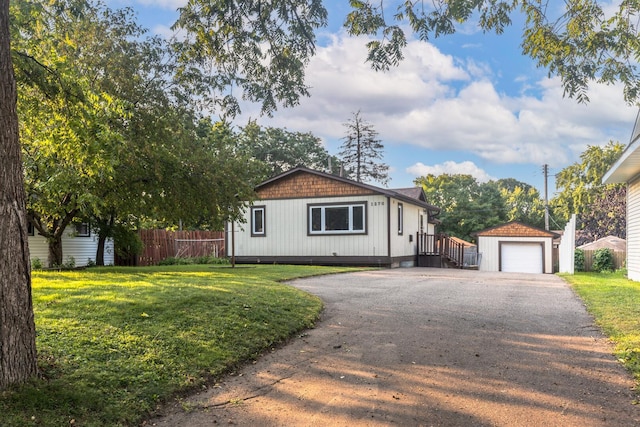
point(257, 221)
point(30, 229)
point(337, 219)
point(82, 229)
point(400, 219)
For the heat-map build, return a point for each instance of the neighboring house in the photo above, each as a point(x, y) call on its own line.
point(304, 216)
point(516, 247)
point(627, 170)
point(78, 242)
point(614, 243)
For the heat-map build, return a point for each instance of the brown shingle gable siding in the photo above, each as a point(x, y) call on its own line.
point(301, 185)
point(515, 229)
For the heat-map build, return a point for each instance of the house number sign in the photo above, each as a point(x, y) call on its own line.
point(377, 203)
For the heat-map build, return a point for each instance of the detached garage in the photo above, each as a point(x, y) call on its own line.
point(517, 248)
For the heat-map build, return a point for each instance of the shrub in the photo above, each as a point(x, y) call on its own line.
point(36, 264)
point(578, 260)
point(603, 260)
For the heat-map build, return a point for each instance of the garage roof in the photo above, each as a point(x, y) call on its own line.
point(515, 229)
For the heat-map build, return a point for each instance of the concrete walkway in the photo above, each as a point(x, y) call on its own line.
point(430, 347)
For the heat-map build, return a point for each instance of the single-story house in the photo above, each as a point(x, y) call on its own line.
point(627, 170)
point(305, 216)
point(516, 247)
point(78, 243)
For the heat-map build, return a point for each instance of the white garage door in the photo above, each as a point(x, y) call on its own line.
point(521, 257)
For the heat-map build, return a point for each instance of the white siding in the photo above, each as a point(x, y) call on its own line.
point(489, 247)
point(405, 244)
point(80, 248)
point(633, 229)
point(286, 231)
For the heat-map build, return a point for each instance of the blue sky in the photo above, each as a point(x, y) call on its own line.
point(466, 103)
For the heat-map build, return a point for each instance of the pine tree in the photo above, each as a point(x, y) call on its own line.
point(362, 150)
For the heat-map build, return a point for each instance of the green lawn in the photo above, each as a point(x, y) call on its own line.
point(614, 301)
point(113, 343)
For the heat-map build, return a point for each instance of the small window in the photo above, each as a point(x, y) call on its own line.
point(400, 219)
point(83, 229)
point(258, 221)
point(31, 229)
point(337, 219)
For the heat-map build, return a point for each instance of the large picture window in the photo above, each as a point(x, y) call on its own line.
point(258, 221)
point(337, 219)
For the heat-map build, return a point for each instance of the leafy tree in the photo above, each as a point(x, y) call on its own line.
point(280, 150)
point(18, 360)
point(600, 208)
point(260, 47)
point(109, 134)
point(606, 216)
point(70, 142)
point(467, 206)
point(362, 150)
point(522, 202)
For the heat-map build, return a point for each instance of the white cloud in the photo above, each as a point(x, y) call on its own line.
point(439, 102)
point(452, 168)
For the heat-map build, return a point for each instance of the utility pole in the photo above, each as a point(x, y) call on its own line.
point(545, 170)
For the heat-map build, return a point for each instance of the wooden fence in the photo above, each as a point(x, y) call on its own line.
point(619, 258)
point(162, 244)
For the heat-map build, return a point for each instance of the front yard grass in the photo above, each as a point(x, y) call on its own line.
point(614, 301)
point(114, 343)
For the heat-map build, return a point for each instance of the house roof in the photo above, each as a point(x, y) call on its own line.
point(611, 242)
point(413, 192)
point(415, 195)
point(515, 229)
point(628, 165)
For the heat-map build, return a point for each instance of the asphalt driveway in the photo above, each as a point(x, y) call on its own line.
point(430, 347)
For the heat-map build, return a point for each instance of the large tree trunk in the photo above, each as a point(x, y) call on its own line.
point(55, 252)
point(17, 327)
point(105, 230)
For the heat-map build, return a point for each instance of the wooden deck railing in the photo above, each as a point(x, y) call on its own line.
point(441, 245)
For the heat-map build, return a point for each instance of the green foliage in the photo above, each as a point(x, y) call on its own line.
point(522, 202)
point(606, 216)
point(36, 263)
point(603, 260)
point(578, 260)
point(261, 47)
point(614, 301)
point(467, 205)
point(113, 343)
point(279, 150)
point(110, 132)
point(361, 151)
point(580, 184)
point(127, 242)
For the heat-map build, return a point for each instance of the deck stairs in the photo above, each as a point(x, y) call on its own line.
point(439, 250)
